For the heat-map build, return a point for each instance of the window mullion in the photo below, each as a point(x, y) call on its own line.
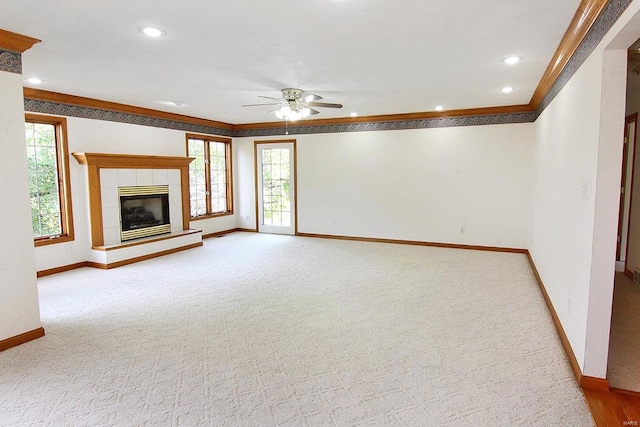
point(61, 186)
point(207, 175)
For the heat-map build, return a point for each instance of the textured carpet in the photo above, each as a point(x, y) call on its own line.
point(624, 346)
point(265, 330)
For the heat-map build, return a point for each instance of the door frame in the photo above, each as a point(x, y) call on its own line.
point(294, 176)
point(628, 186)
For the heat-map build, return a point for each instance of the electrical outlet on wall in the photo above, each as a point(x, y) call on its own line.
point(462, 229)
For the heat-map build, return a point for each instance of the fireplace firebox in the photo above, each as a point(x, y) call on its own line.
point(144, 211)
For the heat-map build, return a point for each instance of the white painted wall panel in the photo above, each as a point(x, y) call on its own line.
point(19, 309)
point(421, 185)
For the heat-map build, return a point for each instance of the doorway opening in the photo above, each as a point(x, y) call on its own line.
point(623, 367)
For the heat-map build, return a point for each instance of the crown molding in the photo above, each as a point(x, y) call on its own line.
point(16, 42)
point(586, 15)
point(80, 101)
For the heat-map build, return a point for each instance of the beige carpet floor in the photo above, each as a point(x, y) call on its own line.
point(266, 330)
point(623, 369)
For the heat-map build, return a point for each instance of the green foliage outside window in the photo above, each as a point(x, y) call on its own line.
point(208, 196)
point(276, 186)
point(44, 188)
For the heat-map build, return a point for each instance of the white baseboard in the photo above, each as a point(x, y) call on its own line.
point(620, 266)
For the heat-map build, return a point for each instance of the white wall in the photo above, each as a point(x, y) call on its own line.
point(579, 139)
point(19, 309)
point(420, 185)
point(95, 136)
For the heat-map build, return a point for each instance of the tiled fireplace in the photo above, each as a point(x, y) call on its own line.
point(139, 207)
point(113, 182)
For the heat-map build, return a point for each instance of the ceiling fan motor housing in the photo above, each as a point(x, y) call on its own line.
point(291, 94)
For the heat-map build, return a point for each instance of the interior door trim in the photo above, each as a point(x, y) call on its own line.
point(295, 178)
point(633, 118)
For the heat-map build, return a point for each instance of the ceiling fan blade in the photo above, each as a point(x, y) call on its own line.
point(269, 97)
point(258, 105)
point(313, 112)
point(311, 97)
point(324, 104)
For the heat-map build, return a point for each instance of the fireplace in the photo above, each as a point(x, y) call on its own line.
point(144, 211)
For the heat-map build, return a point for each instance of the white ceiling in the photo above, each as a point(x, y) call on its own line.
point(373, 56)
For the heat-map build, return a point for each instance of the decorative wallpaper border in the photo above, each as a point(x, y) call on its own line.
point(47, 107)
point(10, 61)
point(611, 13)
point(495, 119)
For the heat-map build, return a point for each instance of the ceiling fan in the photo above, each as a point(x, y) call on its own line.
point(295, 104)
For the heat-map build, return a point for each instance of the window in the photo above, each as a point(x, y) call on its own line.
point(210, 183)
point(48, 160)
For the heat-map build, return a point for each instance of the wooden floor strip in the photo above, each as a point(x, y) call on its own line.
point(613, 408)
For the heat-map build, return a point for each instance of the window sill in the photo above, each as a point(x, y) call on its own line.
point(216, 215)
point(53, 240)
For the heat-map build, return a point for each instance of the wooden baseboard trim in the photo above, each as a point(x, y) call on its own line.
point(414, 243)
point(141, 258)
point(628, 273)
point(556, 321)
point(94, 264)
point(21, 339)
point(584, 381)
point(594, 383)
point(62, 269)
point(223, 232)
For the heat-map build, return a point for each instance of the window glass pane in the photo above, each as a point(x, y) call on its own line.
point(210, 160)
point(46, 216)
point(197, 178)
point(218, 174)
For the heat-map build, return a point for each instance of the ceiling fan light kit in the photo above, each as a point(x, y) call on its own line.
point(295, 104)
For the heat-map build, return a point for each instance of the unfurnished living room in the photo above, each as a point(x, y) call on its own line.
point(341, 213)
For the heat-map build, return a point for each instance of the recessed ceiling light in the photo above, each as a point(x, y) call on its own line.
point(512, 60)
point(35, 80)
point(507, 89)
point(439, 108)
point(354, 114)
point(152, 31)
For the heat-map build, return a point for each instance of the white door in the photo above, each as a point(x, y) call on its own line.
point(276, 187)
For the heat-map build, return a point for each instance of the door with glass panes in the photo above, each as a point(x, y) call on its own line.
point(276, 187)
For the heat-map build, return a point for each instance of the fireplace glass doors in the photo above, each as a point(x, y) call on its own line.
point(144, 211)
